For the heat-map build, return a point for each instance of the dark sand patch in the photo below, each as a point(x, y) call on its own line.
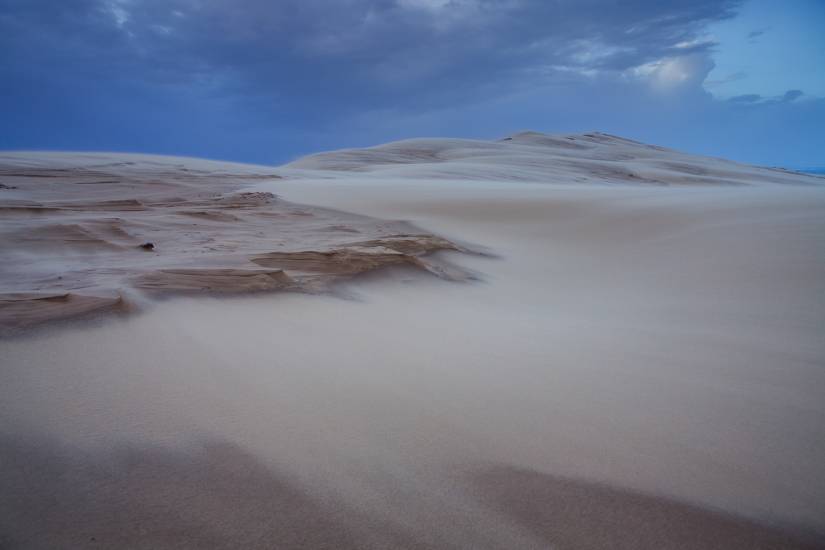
point(217, 495)
point(574, 514)
point(214, 496)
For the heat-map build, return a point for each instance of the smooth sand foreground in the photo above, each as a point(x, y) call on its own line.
point(638, 368)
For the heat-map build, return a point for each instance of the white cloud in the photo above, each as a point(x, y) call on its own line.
point(119, 10)
point(672, 73)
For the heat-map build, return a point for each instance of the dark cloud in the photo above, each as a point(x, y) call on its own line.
point(756, 34)
point(756, 99)
point(264, 81)
point(392, 52)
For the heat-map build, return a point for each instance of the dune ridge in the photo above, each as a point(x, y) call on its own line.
point(593, 157)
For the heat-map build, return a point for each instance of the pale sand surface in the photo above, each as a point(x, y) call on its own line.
point(639, 367)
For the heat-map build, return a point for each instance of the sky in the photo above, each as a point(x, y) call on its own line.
point(267, 81)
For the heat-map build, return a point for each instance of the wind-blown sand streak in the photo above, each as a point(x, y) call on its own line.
point(638, 366)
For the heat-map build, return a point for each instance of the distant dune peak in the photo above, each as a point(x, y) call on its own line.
point(591, 157)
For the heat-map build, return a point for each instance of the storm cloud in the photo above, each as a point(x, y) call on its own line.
point(265, 81)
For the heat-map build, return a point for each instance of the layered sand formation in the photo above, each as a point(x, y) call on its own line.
point(81, 233)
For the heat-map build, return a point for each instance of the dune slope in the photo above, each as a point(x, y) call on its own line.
point(637, 366)
point(535, 157)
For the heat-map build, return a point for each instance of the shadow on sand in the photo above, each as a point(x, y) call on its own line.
point(217, 495)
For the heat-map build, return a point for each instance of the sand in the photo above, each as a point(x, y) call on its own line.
point(86, 233)
point(635, 366)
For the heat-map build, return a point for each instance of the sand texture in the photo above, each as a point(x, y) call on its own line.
point(81, 233)
point(632, 365)
point(535, 157)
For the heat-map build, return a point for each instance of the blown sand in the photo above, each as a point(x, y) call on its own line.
point(634, 367)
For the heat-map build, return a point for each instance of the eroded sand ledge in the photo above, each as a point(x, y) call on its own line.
point(82, 233)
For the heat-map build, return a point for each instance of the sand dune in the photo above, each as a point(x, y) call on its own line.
point(531, 156)
point(632, 366)
point(83, 231)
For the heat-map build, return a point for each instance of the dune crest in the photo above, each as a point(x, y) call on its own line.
point(593, 157)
